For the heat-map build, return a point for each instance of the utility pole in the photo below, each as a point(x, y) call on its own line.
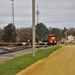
point(65, 37)
point(65, 34)
point(33, 26)
point(12, 12)
point(37, 12)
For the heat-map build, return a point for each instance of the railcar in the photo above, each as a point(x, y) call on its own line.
point(10, 43)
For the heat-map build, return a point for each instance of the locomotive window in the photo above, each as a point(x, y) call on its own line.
point(53, 37)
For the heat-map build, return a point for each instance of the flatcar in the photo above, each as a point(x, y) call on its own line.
point(52, 39)
point(10, 43)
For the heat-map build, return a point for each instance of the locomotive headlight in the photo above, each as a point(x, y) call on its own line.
point(54, 41)
point(53, 38)
point(51, 41)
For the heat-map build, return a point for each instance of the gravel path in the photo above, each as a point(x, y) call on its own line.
point(8, 56)
point(61, 62)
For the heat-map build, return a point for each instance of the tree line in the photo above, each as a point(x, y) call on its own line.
point(11, 34)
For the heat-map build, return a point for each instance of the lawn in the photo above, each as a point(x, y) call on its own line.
point(17, 64)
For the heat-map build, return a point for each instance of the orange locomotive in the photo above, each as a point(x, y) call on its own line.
point(52, 39)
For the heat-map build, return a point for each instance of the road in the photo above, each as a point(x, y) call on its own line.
point(61, 62)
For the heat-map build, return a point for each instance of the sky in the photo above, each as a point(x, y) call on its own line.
point(52, 13)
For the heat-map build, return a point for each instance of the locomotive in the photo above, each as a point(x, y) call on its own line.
point(52, 39)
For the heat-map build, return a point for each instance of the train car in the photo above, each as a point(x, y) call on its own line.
point(52, 39)
point(10, 43)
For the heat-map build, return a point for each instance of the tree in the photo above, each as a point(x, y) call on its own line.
point(57, 32)
point(9, 34)
point(71, 31)
point(42, 31)
point(1, 32)
point(24, 34)
point(64, 31)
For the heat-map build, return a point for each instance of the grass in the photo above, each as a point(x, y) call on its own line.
point(15, 65)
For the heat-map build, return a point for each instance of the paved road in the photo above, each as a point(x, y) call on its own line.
point(61, 62)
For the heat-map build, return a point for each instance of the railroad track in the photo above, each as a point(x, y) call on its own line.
point(14, 49)
point(4, 50)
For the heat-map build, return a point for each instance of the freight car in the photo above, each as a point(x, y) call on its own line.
point(52, 39)
point(10, 43)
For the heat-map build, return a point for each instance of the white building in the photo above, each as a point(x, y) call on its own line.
point(71, 39)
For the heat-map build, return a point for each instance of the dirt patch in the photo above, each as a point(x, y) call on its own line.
point(61, 62)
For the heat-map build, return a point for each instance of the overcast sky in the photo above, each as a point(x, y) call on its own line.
point(53, 13)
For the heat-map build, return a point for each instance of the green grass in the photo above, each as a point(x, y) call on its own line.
point(15, 65)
